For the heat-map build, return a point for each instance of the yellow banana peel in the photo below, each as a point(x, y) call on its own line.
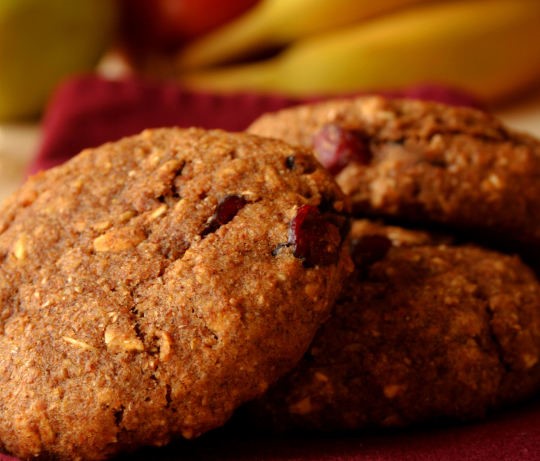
point(490, 48)
point(274, 23)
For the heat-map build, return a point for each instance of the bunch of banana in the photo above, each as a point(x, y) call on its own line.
point(274, 23)
point(488, 47)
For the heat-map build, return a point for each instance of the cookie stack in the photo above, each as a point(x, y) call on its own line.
point(432, 325)
point(152, 286)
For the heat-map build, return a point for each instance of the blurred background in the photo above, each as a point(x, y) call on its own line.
point(484, 53)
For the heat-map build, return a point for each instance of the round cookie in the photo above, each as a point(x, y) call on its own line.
point(421, 163)
point(152, 285)
point(423, 331)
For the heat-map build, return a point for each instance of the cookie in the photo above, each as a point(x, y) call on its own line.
point(152, 285)
point(423, 331)
point(421, 163)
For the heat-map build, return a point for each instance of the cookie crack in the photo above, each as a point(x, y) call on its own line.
point(136, 315)
point(495, 340)
point(489, 318)
point(171, 187)
point(168, 395)
point(119, 416)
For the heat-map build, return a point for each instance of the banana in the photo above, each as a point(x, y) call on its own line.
point(273, 23)
point(490, 48)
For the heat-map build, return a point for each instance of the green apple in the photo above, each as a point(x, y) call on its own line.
point(42, 41)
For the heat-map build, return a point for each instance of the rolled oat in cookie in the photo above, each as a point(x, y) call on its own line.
point(150, 286)
point(423, 331)
point(422, 163)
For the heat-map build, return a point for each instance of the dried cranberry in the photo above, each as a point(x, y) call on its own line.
point(335, 147)
point(314, 237)
point(226, 210)
point(370, 249)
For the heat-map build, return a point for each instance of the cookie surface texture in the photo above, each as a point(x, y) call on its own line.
point(421, 163)
point(152, 285)
point(422, 332)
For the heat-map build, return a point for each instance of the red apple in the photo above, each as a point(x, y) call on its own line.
point(164, 25)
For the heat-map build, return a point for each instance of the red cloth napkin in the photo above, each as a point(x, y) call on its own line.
point(509, 436)
point(87, 111)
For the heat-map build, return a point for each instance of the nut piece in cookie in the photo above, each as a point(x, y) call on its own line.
point(422, 163)
point(150, 286)
point(423, 331)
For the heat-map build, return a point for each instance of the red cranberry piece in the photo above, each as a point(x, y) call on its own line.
point(228, 207)
point(314, 237)
point(226, 210)
point(370, 249)
point(335, 147)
